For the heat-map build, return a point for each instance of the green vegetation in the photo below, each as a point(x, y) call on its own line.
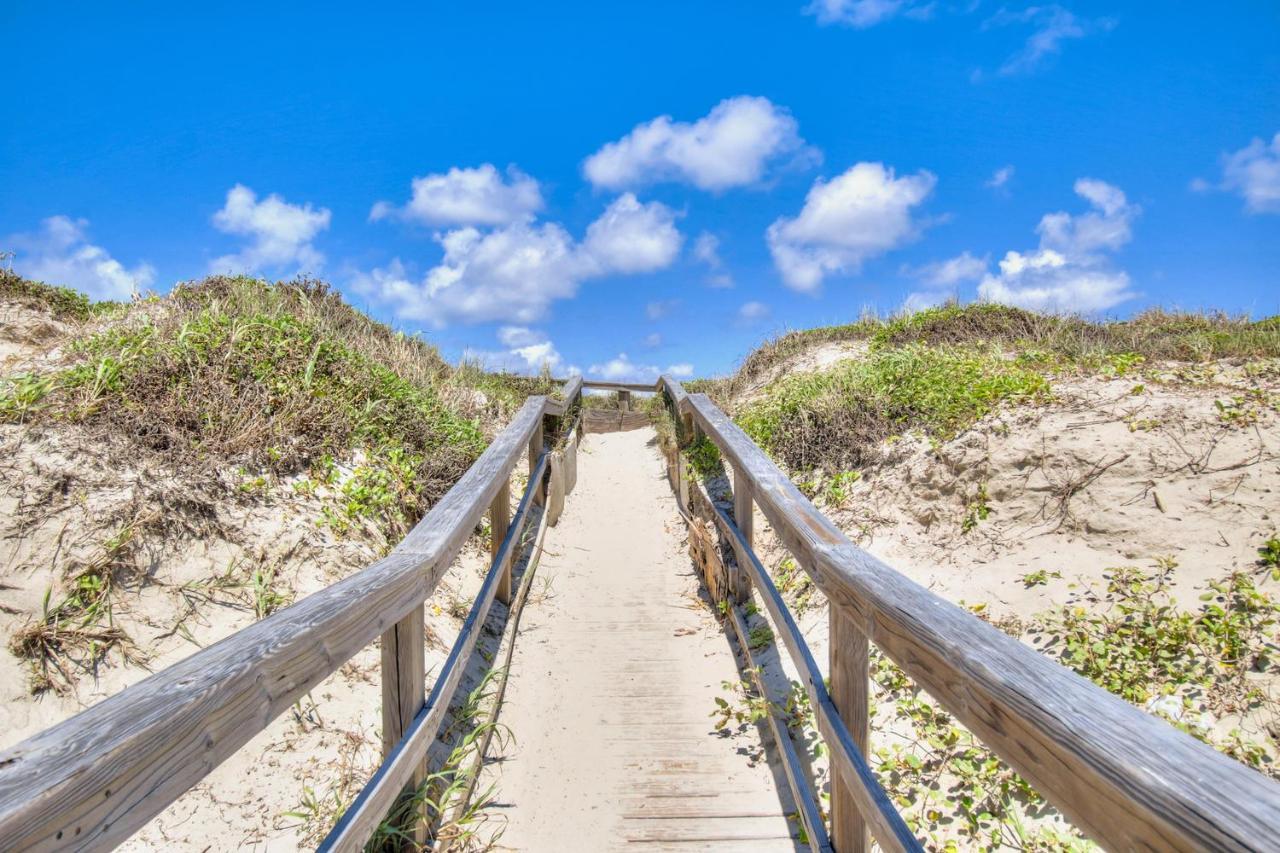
point(1142, 647)
point(62, 302)
point(280, 380)
point(835, 418)
point(704, 458)
point(939, 370)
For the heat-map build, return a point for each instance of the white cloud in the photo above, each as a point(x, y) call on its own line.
point(922, 299)
point(863, 213)
point(61, 254)
point(653, 340)
point(1000, 178)
point(706, 249)
point(753, 312)
point(660, 308)
point(1051, 26)
point(526, 351)
point(952, 271)
point(731, 146)
point(513, 274)
point(1069, 272)
point(1254, 173)
point(864, 13)
point(479, 196)
point(623, 369)
point(280, 233)
point(630, 237)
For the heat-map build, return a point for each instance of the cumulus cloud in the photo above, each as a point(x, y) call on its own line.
point(864, 212)
point(60, 254)
point(279, 233)
point(1070, 270)
point(623, 369)
point(630, 237)
point(512, 274)
point(731, 146)
point(479, 196)
point(525, 351)
point(861, 14)
point(1253, 173)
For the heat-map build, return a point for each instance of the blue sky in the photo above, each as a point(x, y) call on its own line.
point(623, 190)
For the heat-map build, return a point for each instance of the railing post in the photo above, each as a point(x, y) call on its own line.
point(499, 521)
point(535, 452)
point(850, 691)
point(624, 401)
point(743, 516)
point(403, 695)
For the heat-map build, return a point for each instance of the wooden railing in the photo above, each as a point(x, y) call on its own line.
point(1127, 779)
point(92, 780)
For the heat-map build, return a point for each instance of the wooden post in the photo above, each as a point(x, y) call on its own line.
point(535, 452)
point(624, 401)
point(403, 695)
point(743, 517)
point(499, 521)
point(555, 489)
point(850, 691)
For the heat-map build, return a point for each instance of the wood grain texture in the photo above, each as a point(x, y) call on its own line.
point(362, 817)
point(92, 780)
point(1128, 779)
point(403, 694)
point(555, 488)
point(499, 522)
point(810, 814)
point(848, 757)
point(850, 691)
point(605, 385)
point(612, 420)
point(744, 518)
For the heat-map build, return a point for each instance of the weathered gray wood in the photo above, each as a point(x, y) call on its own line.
point(362, 817)
point(91, 781)
point(499, 522)
point(571, 458)
point(604, 385)
point(403, 694)
point(570, 395)
point(744, 517)
point(536, 446)
point(1128, 779)
point(624, 401)
point(850, 685)
point(810, 813)
point(684, 418)
point(848, 758)
point(612, 420)
point(555, 489)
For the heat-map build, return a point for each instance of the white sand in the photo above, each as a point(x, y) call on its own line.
point(614, 679)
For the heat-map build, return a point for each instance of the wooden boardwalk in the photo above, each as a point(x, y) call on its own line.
point(616, 670)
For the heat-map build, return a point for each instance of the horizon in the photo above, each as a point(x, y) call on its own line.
point(596, 188)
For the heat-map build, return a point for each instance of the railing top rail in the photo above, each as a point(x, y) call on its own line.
point(1126, 778)
point(92, 780)
point(608, 385)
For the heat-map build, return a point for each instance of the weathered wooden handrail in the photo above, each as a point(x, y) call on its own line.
point(362, 817)
point(92, 780)
point(1126, 778)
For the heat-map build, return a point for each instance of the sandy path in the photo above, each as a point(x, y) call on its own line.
point(615, 674)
